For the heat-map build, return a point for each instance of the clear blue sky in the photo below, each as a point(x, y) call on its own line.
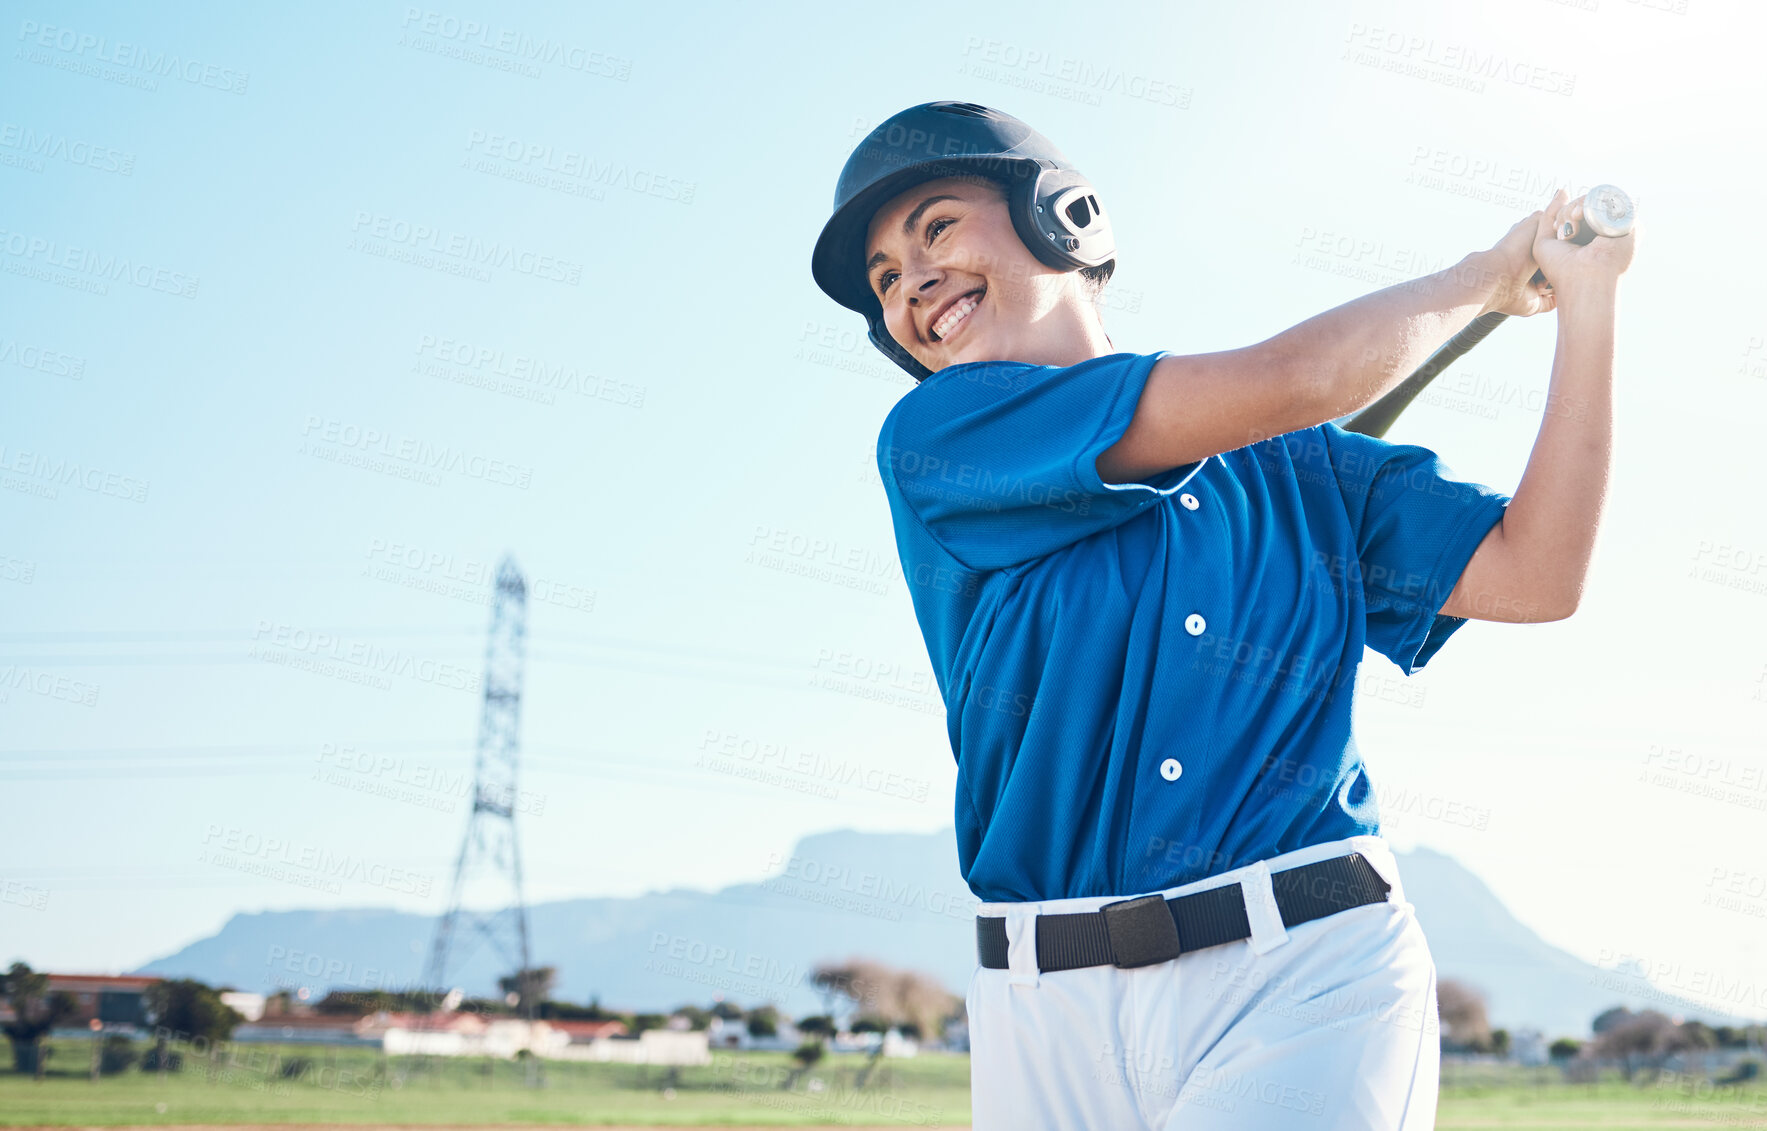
point(307, 317)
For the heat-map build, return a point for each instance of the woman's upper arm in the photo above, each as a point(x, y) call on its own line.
point(1498, 584)
point(1199, 405)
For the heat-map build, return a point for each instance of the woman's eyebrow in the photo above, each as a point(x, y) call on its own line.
point(908, 226)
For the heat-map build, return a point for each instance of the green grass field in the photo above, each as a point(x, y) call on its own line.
point(245, 1085)
point(350, 1085)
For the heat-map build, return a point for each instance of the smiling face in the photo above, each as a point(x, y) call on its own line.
point(957, 284)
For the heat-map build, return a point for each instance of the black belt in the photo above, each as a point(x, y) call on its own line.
point(1149, 929)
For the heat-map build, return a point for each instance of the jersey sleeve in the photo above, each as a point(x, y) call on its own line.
point(997, 460)
point(1416, 527)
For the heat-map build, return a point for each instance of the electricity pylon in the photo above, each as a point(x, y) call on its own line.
point(486, 902)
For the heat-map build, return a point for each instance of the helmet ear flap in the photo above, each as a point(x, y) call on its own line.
point(892, 349)
point(1059, 217)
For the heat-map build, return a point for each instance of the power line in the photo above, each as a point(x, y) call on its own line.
point(237, 635)
point(571, 755)
point(126, 635)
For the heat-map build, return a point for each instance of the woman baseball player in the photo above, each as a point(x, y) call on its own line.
point(1145, 584)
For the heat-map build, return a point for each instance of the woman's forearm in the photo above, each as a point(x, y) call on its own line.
point(1551, 521)
point(1347, 357)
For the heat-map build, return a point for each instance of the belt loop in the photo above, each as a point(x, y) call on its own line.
point(1021, 945)
point(1261, 911)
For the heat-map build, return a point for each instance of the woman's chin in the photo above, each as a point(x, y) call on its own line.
point(966, 351)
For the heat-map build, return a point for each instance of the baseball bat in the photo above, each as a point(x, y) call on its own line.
point(1607, 211)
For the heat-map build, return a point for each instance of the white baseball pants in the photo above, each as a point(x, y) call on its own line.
point(1326, 1026)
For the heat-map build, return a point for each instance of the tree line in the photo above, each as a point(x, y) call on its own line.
point(859, 996)
point(1640, 1044)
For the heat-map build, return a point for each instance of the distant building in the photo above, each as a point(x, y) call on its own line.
point(1528, 1047)
point(507, 1036)
point(472, 1034)
point(653, 1046)
point(582, 1032)
point(461, 1034)
point(305, 1028)
point(730, 1034)
point(119, 1001)
point(116, 1000)
point(405, 1034)
point(894, 1043)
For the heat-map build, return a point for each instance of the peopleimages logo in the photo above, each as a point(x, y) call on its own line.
point(33, 145)
point(44, 360)
point(50, 473)
point(463, 246)
point(780, 763)
point(1421, 56)
point(50, 686)
point(93, 269)
point(822, 881)
point(1066, 76)
point(230, 846)
point(973, 485)
point(371, 658)
point(419, 453)
point(96, 49)
point(514, 46)
point(572, 165)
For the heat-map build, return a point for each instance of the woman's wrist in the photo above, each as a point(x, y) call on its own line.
point(1581, 298)
point(1484, 272)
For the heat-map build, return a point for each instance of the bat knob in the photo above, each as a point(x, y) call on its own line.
point(1607, 211)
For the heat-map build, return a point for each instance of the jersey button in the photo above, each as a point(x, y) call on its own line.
point(1194, 624)
point(1170, 769)
point(1189, 501)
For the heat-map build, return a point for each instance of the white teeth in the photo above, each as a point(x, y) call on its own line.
point(955, 315)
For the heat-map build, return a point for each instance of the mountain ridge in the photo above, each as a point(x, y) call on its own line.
point(839, 894)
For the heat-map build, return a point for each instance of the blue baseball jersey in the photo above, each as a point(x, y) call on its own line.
point(1149, 683)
